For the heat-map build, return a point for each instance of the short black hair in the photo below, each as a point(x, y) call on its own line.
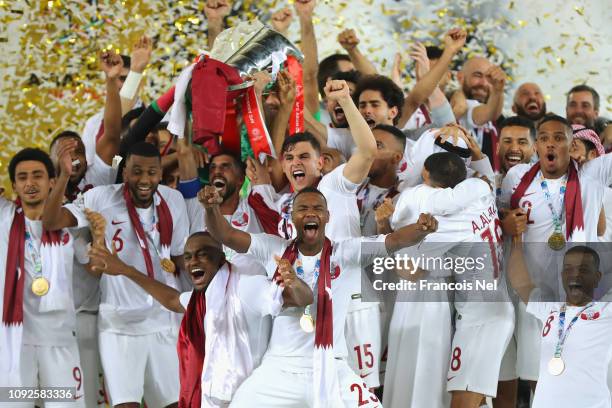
point(396, 132)
point(446, 169)
point(327, 68)
point(519, 121)
point(309, 189)
point(127, 61)
point(434, 52)
point(66, 133)
point(348, 76)
point(585, 250)
point(240, 165)
point(204, 234)
point(31, 154)
point(391, 93)
point(143, 149)
point(296, 138)
point(585, 88)
point(552, 117)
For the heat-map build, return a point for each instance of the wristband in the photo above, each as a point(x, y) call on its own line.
point(130, 86)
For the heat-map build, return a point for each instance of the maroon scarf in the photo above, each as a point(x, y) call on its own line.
point(190, 348)
point(574, 216)
point(164, 225)
point(12, 311)
point(324, 334)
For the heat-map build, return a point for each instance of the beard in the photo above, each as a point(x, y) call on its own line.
point(469, 94)
point(532, 116)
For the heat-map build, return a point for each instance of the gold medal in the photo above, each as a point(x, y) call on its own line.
point(556, 241)
point(40, 286)
point(556, 366)
point(168, 266)
point(307, 323)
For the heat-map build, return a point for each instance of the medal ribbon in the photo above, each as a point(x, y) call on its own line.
point(35, 254)
point(556, 216)
point(315, 277)
point(563, 335)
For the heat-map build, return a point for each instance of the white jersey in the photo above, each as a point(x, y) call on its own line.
point(342, 140)
point(593, 176)
point(288, 340)
point(587, 354)
point(253, 292)
point(481, 132)
point(341, 203)
point(90, 132)
point(468, 227)
point(369, 198)
point(54, 328)
point(607, 207)
point(124, 307)
point(419, 118)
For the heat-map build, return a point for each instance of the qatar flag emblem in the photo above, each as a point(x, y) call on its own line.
point(334, 270)
point(589, 315)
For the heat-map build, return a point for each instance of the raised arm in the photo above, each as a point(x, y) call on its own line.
point(349, 41)
point(296, 292)
point(218, 226)
point(286, 95)
point(491, 110)
point(411, 234)
point(453, 42)
point(308, 44)
point(518, 272)
point(215, 11)
point(358, 166)
point(101, 260)
point(56, 217)
point(108, 145)
point(140, 57)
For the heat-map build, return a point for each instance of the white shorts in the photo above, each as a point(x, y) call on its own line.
point(270, 386)
point(141, 365)
point(87, 340)
point(420, 336)
point(507, 371)
point(476, 356)
point(363, 340)
point(528, 341)
point(48, 366)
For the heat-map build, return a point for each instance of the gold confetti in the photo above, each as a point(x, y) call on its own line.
point(579, 10)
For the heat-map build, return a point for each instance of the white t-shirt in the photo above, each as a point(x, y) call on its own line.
point(253, 292)
point(587, 354)
point(56, 328)
point(468, 227)
point(341, 203)
point(91, 129)
point(288, 341)
point(481, 132)
point(607, 206)
point(593, 176)
point(418, 119)
point(125, 308)
point(369, 198)
point(342, 140)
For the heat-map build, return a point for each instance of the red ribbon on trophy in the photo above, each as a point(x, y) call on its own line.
point(296, 120)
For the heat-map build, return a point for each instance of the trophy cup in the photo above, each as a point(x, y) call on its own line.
point(220, 82)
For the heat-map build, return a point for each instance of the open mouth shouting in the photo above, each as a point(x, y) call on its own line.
point(371, 122)
point(76, 166)
point(219, 183)
point(550, 158)
point(311, 229)
point(197, 276)
point(339, 115)
point(575, 288)
point(532, 107)
point(299, 175)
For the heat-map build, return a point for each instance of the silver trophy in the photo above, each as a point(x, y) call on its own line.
point(249, 47)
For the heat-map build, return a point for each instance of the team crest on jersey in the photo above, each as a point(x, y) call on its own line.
point(334, 270)
point(589, 315)
point(65, 238)
point(402, 166)
point(241, 220)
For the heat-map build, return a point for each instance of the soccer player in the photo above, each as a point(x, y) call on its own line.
point(301, 162)
point(575, 335)
point(38, 345)
point(561, 204)
point(291, 374)
point(229, 302)
point(147, 228)
point(484, 321)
